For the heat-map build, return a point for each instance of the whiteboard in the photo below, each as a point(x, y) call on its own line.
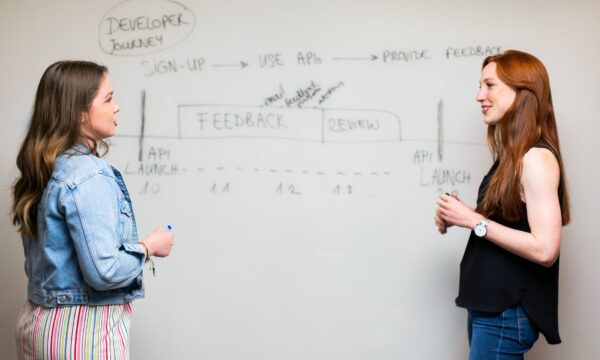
point(298, 149)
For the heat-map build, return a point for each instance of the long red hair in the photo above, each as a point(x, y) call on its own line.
point(528, 122)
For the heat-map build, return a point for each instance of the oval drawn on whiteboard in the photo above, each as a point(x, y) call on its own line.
point(139, 27)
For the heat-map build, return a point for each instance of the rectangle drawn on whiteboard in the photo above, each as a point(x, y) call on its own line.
point(313, 125)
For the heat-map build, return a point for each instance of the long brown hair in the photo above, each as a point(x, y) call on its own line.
point(529, 121)
point(65, 92)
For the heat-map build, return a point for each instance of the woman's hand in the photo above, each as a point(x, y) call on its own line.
point(441, 225)
point(159, 242)
point(452, 211)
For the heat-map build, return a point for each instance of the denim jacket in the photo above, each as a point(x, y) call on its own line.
point(86, 250)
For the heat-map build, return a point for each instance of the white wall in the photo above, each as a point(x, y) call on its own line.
point(307, 241)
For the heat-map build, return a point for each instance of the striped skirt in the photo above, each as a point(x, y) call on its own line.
point(73, 332)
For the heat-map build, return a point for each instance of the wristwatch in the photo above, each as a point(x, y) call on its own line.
point(481, 228)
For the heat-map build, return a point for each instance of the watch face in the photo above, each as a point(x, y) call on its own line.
point(480, 230)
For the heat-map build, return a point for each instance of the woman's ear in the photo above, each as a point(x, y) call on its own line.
point(84, 124)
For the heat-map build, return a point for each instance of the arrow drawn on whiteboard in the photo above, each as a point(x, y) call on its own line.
point(371, 58)
point(240, 65)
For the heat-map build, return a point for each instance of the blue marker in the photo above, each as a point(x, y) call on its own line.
point(167, 228)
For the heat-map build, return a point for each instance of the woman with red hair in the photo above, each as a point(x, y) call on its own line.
point(509, 271)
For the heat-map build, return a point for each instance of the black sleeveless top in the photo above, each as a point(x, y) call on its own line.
point(493, 279)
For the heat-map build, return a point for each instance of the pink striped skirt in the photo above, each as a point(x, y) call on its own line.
point(73, 332)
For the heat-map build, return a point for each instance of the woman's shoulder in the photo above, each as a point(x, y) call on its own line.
point(539, 154)
point(540, 164)
point(74, 168)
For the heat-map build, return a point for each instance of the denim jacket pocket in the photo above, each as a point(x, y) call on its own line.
point(125, 221)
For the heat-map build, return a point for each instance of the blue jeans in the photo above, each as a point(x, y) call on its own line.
point(505, 335)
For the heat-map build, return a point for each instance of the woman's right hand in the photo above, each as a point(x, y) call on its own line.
point(441, 224)
point(159, 242)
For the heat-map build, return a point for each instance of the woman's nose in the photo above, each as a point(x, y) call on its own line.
point(480, 96)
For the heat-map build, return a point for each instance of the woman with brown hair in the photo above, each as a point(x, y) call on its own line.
point(83, 260)
point(509, 271)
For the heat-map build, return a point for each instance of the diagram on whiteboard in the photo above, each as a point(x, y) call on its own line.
point(299, 112)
